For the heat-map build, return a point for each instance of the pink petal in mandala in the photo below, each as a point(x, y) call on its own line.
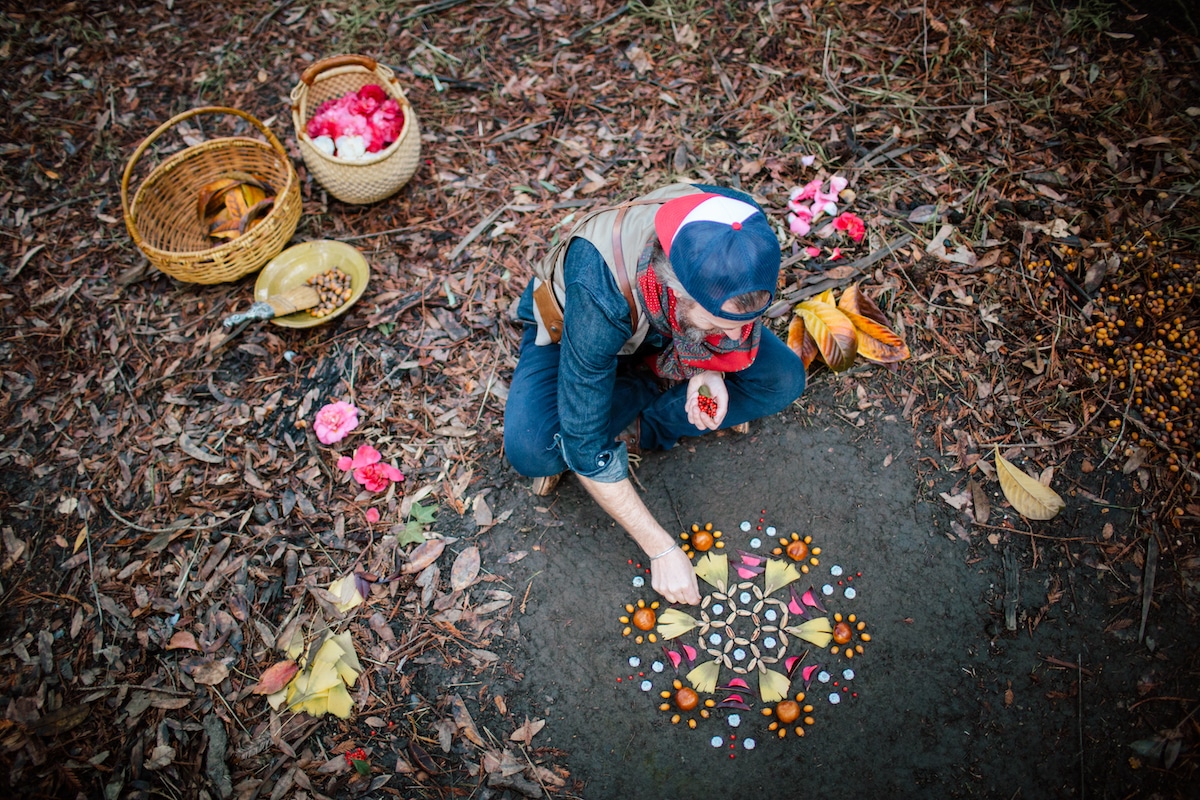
point(748, 565)
point(675, 658)
point(807, 674)
point(796, 607)
point(735, 685)
point(734, 701)
point(812, 598)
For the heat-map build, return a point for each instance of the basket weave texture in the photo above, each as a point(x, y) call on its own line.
point(377, 176)
point(162, 217)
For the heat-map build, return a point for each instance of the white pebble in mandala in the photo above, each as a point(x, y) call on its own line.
point(745, 598)
point(835, 570)
point(657, 666)
point(718, 608)
point(770, 615)
point(823, 676)
point(639, 581)
point(771, 530)
point(769, 641)
point(745, 526)
point(739, 654)
point(827, 590)
point(647, 686)
point(755, 543)
point(848, 674)
point(834, 698)
point(734, 720)
point(716, 741)
point(715, 638)
point(850, 593)
point(748, 744)
point(634, 661)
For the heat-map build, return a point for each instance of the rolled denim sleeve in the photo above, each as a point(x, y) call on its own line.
point(595, 327)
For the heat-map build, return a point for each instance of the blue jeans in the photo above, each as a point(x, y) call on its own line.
point(531, 420)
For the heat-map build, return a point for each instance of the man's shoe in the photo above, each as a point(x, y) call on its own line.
point(546, 484)
point(743, 427)
point(632, 436)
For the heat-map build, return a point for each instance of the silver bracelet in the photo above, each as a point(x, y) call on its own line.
point(668, 551)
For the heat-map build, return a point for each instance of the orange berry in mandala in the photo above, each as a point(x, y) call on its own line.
point(797, 550)
point(686, 699)
point(787, 711)
point(842, 633)
point(644, 619)
point(702, 540)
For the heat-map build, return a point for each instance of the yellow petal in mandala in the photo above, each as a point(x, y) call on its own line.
point(779, 574)
point(818, 631)
point(703, 678)
point(713, 569)
point(772, 686)
point(672, 623)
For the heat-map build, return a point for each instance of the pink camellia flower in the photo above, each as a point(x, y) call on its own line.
point(835, 254)
point(334, 421)
point(369, 469)
point(800, 222)
point(812, 252)
point(372, 515)
point(364, 456)
point(851, 225)
point(378, 476)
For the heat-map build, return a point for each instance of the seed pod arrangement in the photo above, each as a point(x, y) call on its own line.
point(334, 288)
point(705, 401)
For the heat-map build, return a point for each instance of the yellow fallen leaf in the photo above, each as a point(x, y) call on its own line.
point(800, 342)
point(673, 623)
point(338, 701)
point(778, 574)
point(832, 331)
point(1031, 499)
point(772, 686)
point(703, 678)
point(713, 569)
point(345, 589)
point(322, 676)
point(817, 631)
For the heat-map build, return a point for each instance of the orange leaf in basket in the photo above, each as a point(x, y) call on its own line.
point(212, 198)
point(256, 213)
point(223, 225)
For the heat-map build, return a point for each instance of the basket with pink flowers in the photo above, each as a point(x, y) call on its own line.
point(358, 133)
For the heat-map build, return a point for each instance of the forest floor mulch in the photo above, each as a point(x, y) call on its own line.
point(170, 525)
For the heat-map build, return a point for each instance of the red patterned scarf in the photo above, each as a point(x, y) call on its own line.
point(684, 358)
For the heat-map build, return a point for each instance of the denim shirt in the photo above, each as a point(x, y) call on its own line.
point(596, 326)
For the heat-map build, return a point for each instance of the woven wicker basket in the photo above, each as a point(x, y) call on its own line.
point(377, 176)
point(162, 218)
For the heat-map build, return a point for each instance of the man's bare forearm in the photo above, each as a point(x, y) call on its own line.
point(671, 570)
point(622, 503)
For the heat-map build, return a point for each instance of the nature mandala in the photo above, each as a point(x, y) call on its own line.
point(763, 642)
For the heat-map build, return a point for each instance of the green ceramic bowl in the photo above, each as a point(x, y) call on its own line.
point(295, 265)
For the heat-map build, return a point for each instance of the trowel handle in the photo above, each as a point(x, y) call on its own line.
point(295, 299)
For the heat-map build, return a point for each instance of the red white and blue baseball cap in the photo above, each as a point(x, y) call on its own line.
point(720, 247)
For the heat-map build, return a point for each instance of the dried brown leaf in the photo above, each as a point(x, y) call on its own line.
point(1030, 498)
point(423, 555)
point(465, 569)
point(527, 731)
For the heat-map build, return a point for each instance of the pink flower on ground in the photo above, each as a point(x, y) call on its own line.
point(835, 254)
point(377, 477)
point(800, 222)
point(812, 252)
point(372, 515)
point(364, 456)
point(851, 225)
point(334, 421)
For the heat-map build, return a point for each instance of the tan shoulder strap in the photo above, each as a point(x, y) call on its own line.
point(622, 275)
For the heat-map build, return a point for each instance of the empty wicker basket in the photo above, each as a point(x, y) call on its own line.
point(377, 176)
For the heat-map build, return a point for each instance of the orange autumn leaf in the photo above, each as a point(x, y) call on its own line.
point(276, 677)
point(800, 342)
point(832, 331)
point(876, 342)
point(854, 300)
